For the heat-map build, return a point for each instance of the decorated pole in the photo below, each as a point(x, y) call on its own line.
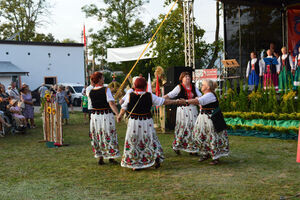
point(52, 125)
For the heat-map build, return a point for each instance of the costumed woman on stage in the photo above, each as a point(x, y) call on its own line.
point(270, 70)
point(297, 71)
point(286, 67)
point(186, 115)
point(210, 135)
point(102, 125)
point(142, 148)
point(253, 72)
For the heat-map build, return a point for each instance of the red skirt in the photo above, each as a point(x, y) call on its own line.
point(271, 79)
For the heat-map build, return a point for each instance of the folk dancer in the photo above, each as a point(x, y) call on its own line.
point(103, 133)
point(253, 71)
point(270, 71)
point(297, 71)
point(286, 67)
point(142, 148)
point(186, 115)
point(210, 135)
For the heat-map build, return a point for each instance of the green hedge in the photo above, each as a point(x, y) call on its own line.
point(260, 127)
point(260, 115)
point(265, 101)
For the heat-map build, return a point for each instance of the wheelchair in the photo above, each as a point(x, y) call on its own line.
point(15, 125)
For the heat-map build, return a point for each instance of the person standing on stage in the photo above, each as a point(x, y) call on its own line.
point(297, 71)
point(286, 67)
point(210, 135)
point(253, 71)
point(142, 148)
point(103, 133)
point(270, 70)
point(186, 115)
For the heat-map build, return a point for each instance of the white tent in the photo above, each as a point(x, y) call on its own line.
point(129, 53)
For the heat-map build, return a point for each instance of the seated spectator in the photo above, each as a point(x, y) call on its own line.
point(16, 113)
point(4, 98)
point(13, 92)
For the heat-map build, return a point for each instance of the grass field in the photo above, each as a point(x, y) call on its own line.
point(257, 168)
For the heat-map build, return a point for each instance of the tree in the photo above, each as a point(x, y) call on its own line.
point(217, 43)
point(122, 27)
point(41, 37)
point(170, 42)
point(68, 40)
point(23, 17)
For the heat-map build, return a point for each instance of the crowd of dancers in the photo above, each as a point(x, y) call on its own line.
point(281, 72)
point(203, 134)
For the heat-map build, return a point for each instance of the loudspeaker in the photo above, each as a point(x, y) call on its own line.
point(171, 117)
point(174, 73)
point(170, 109)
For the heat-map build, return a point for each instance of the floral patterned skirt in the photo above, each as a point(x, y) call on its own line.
point(208, 141)
point(103, 136)
point(141, 147)
point(186, 117)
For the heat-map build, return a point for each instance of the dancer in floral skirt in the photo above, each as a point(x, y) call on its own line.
point(142, 148)
point(210, 135)
point(103, 133)
point(186, 115)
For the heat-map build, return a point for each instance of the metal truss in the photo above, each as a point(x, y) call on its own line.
point(188, 14)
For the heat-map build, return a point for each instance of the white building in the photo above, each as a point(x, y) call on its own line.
point(48, 63)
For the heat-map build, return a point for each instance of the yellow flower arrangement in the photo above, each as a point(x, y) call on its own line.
point(47, 96)
point(53, 111)
point(49, 110)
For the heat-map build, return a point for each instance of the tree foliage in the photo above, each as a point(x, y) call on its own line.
point(122, 27)
point(23, 17)
point(170, 42)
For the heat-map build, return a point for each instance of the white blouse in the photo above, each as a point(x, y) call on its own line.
point(284, 56)
point(174, 93)
point(207, 99)
point(253, 61)
point(156, 101)
point(127, 93)
point(87, 92)
point(109, 96)
point(297, 61)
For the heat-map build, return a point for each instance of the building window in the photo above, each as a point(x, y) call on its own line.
point(51, 80)
point(7, 53)
point(49, 54)
point(69, 54)
point(28, 53)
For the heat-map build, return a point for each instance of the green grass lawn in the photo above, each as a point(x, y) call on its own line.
point(257, 168)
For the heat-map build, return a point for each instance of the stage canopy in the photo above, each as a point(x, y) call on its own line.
point(129, 53)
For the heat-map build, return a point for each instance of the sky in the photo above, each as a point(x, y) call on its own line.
point(67, 19)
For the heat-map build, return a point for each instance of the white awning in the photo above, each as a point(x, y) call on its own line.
point(129, 53)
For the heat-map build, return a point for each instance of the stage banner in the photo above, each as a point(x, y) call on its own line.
point(201, 74)
point(294, 29)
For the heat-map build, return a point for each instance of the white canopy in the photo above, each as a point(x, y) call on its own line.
point(129, 53)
